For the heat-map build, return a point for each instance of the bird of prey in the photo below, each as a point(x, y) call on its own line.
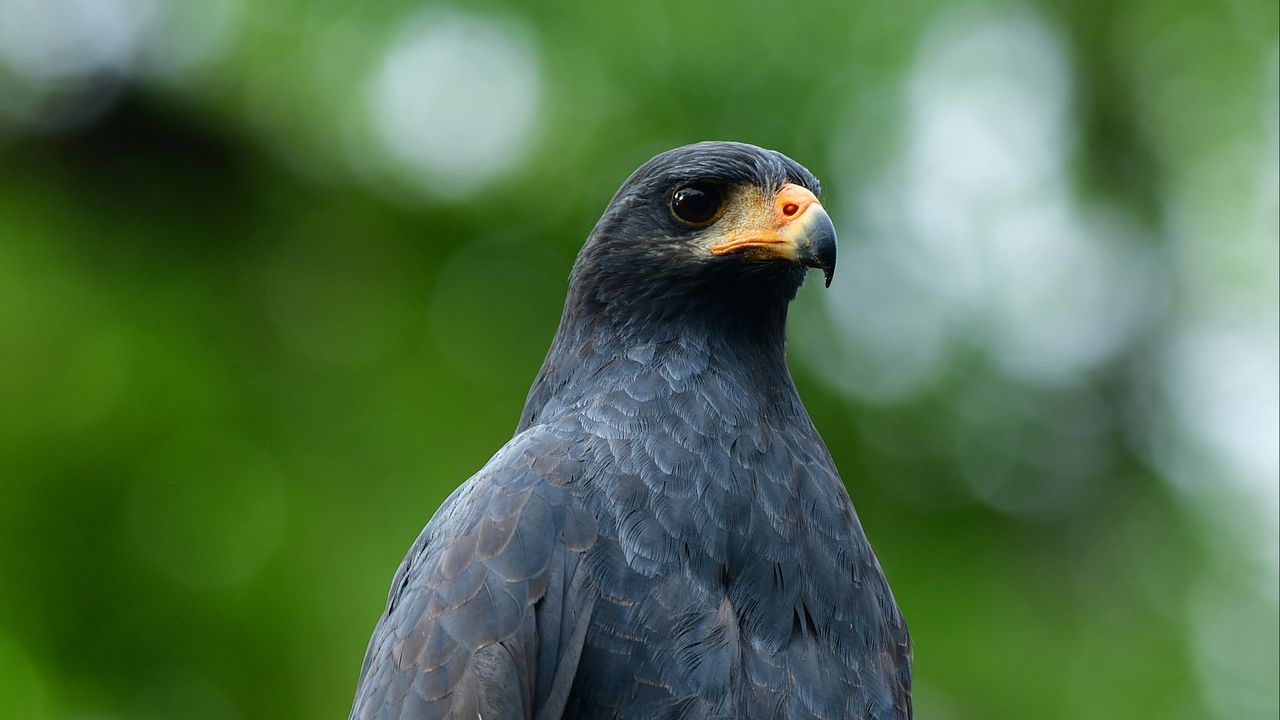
point(666, 535)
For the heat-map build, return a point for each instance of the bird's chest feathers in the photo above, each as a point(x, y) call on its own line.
point(695, 451)
point(715, 479)
point(728, 548)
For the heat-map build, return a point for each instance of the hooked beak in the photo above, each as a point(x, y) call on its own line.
point(796, 228)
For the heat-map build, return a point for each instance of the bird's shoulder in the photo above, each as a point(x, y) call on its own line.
point(463, 630)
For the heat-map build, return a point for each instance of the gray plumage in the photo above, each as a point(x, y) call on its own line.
point(666, 535)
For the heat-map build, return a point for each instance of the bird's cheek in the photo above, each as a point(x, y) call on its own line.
point(805, 236)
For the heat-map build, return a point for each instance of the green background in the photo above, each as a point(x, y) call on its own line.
point(275, 277)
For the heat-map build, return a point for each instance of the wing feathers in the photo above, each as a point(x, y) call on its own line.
point(477, 604)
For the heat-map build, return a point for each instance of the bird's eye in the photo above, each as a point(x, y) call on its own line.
point(698, 204)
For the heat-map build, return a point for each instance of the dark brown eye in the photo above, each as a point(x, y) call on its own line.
point(697, 204)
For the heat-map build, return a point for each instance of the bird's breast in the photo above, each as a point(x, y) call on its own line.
point(729, 563)
point(732, 577)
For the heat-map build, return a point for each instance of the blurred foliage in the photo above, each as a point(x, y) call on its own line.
point(274, 278)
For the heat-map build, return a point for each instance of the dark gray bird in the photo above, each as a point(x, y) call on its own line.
point(666, 535)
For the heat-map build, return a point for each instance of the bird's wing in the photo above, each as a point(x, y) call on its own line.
point(487, 614)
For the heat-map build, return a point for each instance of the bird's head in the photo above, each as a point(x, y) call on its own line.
point(715, 225)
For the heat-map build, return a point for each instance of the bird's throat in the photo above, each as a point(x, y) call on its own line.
point(596, 353)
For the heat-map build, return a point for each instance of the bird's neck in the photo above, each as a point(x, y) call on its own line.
point(600, 346)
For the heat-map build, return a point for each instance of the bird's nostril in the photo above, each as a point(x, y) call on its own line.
point(790, 209)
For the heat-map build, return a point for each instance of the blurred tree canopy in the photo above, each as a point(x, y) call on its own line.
point(274, 278)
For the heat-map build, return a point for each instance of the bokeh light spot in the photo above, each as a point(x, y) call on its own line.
point(63, 62)
point(52, 40)
point(973, 237)
point(454, 100)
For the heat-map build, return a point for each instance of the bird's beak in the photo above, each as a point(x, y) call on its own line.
point(791, 226)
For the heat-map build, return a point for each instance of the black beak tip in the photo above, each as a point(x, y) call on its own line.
point(820, 247)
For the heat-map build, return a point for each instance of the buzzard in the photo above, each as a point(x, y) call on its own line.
point(665, 535)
